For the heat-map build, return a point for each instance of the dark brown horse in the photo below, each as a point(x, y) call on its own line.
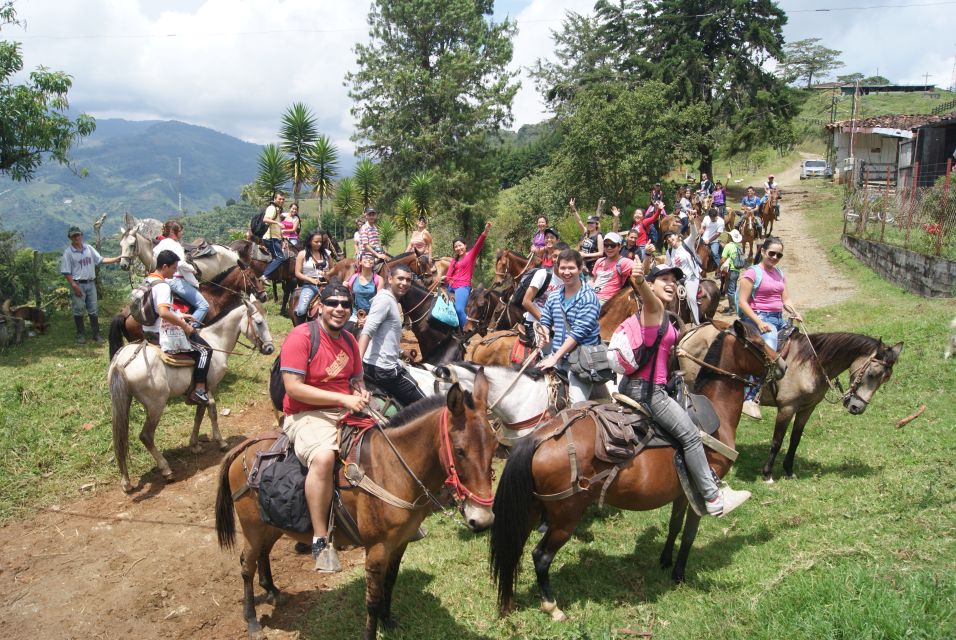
point(438, 441)
point(482, 310)
point(438, 343)
point(541, 466)
point(223, 294)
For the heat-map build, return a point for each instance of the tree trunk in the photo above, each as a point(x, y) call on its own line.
point(809, 79)
point(706, 161)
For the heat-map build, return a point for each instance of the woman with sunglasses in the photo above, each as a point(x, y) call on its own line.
point(762, 297)
point(592, 242)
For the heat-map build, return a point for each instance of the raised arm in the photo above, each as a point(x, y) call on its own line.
point(577, 216)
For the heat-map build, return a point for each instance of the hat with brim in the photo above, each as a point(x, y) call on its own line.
point(735, 235)
point(614, 237)
point(551, 232)
point(659, 270)
point(74, 231)
point(594, 219)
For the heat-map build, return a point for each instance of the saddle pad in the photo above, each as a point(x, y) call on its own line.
point(519, 352)
point(198, 248)
point(173, 359)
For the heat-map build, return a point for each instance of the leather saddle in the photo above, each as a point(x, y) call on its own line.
point(197, 249)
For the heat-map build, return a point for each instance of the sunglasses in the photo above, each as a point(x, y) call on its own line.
point(610, 245)
point(775, 254)
point(345, 304)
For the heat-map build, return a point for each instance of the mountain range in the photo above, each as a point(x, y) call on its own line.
point(128, 166)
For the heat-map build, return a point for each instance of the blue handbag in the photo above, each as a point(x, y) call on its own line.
point(444, 311)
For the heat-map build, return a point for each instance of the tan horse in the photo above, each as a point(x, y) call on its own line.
point(748, 231)
point(768, 213)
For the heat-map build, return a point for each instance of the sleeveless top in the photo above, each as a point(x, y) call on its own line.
point(418, 241)
point(589, 245)
point(663, 352)
point(312, 267)
point(363, 293)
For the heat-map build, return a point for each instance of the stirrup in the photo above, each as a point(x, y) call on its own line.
point(328, 560)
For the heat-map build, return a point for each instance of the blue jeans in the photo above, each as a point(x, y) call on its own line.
point(732, 276)
point(86, 302)
point(461, 299)
point(306, 293)
point(776, 322)
point(190, 296)
point(715, 252)
point(278, 257)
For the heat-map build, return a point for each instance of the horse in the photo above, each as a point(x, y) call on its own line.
point(137, 238)
point(730, 218)
point(768, 213)
point(480, 310)
point(437, 342)
point(137, 371)
point(440, 267)
point(511, 263)
point(748, 231)
point(223, 293)
point(36, 316)
point(538, 468)
point(814, 361)
point(250, 253)
point(624, 303)
point(437, 441)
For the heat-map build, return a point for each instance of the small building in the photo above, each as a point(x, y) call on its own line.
point(932, 146)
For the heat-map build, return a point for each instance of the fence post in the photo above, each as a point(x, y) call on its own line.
point(886, 193)
point(866, 205)
point(909, 218)
point(944, 215)
point(36, 278)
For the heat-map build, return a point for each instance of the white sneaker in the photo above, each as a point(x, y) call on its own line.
point(731, 499)
point(752, 409)
point(715, 506)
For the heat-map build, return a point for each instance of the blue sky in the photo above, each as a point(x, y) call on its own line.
point(235, 65)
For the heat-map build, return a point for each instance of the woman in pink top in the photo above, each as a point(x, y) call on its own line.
point(647, 384)
point(458, 276)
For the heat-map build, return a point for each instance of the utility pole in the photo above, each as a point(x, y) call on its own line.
point(179, 186)
point(926, 79)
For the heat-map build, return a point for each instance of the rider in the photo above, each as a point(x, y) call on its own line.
point(310, 266)
point(648, 385)
point(291, 224)
point(571, 312)
point(551, 238)
point(537, 240)
point(678, 255)
point(183, 283)
point(657, 193)
point(712, 226)
point(421, 240)
point(176, 334)
point(720, 199)
point(770, 187)
point(750, 203)
point(611, 271)
point(363, 285)
point(543, 283)
point(380, 344)
point(684, 209)
point(272, 238)
point(706, 186)
point(592, 242)
point(317, 395)
point(462, 267)
point(369, 238)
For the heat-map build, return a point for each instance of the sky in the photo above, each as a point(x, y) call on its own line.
point(236, 65)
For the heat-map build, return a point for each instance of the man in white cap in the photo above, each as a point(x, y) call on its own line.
point(769, 187)
point(732, 261)
point(612, 271)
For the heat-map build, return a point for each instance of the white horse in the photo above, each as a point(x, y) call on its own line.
point(137, 371)
point(137, 242)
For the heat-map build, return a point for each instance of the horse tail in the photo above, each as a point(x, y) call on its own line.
point(120, 399)
point(513, 502)
point(116, 333)
point(225, 511)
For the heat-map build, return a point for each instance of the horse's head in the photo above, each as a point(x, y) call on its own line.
point(755, 357)
point(127, 248)
point(471, 446)
point(256, 329)
point(251, 283)
point(866, 378)
point(501, 267)
point(480, 307)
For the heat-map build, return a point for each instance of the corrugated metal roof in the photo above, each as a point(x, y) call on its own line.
point(893, 121)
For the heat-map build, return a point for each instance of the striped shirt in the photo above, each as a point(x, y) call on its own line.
point(582, 311)
point(368, 235)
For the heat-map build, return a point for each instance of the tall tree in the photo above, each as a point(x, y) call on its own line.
point(273, 170)
point(432, 85)
point(807, 58)
point(34, 123)
point(368, 181)
point(324, 160)
point(405, 214)
point(348, 201)
point(298, 134)
point(422, 190)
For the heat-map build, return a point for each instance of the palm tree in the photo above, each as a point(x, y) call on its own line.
point(324, 161)
point(405, 214)
point(348, 203)
point(368, 179)
point(273, 170)
point(298, 134)
point(421, 188)
point(386, 231)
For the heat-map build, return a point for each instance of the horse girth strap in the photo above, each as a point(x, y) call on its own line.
point(357, 478)
point(498, 336)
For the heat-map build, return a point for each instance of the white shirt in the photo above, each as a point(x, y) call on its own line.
point(681, 258)
point(713, 227)
point(541, 298)
point(184, 270)
point(172, 338)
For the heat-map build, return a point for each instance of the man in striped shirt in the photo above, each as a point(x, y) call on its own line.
point(368, 236)
point(571, 312)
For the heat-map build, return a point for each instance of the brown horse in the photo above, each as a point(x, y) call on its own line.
point(768, 213)
point(492, 349)
point(624, 304)
point(482, 309)
point(730, 218)
point(223, 293)
point(511, 263)
point(441, 440)
point(34, 315)
point(540, 466)
point(438, 343)
point(748, 231)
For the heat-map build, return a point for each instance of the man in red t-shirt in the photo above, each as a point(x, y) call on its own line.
point(318, 394)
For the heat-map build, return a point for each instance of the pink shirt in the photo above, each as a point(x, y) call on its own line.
point(769, 295)
point(609, 277)
point(663, 353)
point(460, 270)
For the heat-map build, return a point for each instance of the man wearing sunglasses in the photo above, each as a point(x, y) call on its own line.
point(318, 394)
point(611, 271)
point(381, 341)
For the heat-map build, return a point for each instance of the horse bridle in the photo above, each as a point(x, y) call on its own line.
point(856, 377)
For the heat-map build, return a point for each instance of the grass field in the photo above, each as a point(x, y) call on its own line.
point(860, 546)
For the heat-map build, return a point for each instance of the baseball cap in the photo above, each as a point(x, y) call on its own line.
point(335, 289)
point(74, 231)
point(594, 219)
point(658, 270)
point(614, 237)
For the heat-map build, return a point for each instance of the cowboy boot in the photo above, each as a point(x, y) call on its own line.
point(80, 330)
point(95, 329)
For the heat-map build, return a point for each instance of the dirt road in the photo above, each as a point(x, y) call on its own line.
point(111, 566)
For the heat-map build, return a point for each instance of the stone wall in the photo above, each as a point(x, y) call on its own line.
point(923, 275)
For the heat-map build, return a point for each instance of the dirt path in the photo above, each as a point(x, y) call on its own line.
point(111, 566)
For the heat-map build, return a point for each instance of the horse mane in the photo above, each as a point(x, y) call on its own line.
point(515, 254)
point(831, 345)
point(707, 374)
point(225, 274)
point(404, 254)
point(415, 410)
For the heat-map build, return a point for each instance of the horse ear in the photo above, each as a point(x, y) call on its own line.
point(740, 329)
point(893, 354)
point(481, 388)
point(455, 400)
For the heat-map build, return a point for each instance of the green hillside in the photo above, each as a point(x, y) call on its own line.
point(129, 166)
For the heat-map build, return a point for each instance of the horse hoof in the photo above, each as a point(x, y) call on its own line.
point(551, 608)
point(791, 476)
point(127, 487)
point(389, 623)
point(274, 597)
point(768, 479)
point(257, 633)
point(168, 476)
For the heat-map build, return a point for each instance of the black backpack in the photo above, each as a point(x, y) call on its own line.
point(524, 283)
point(257, 227)
point(141, 306)
point(276, 384)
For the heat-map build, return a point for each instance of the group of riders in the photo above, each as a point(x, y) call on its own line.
point(359, 320)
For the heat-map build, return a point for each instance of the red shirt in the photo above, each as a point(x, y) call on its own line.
point(335, 363)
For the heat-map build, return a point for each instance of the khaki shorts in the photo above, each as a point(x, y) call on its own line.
point(312, 432)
